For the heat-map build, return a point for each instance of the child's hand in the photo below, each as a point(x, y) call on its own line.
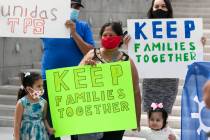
point(171, 137)
point(51, 131)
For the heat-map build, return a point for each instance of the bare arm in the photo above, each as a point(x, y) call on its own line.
point(137, 93)
point(206, 94)
point(87, 59)
point(18, 118)
point(203, 40)
point(82, 45)
point(49, 129)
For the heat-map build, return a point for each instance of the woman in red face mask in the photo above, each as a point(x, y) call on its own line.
point(111, 40)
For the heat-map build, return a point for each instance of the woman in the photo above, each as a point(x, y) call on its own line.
point(160, 90)
point(111, 39)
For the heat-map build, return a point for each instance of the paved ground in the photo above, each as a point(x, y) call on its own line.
point(6, 133)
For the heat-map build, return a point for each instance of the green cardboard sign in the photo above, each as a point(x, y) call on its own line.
point(87, 99)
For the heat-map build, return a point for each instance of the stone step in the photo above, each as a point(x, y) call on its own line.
point(178, 100)
point(36, 65)
point(176, 111)
point(207, 57)
point(206, 49)
point(206, 26)
point(206, 33)
point(131, 133)
point(11, 99)
point(7, 110)
point(190, 1)
point(191, 15)
point(14, 81)
point(192, 9)
point(173, 121)
point(208, 41)
point(9, 90)
point(185, 4)
point(6, 121)
point(31, 70)
point(8, 100)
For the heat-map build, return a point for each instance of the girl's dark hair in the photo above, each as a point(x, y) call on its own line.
point(27, 80)
point(116, 27)
point(168, 6)
point(164, 115)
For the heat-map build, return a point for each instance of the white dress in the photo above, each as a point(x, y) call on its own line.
point(163, 134)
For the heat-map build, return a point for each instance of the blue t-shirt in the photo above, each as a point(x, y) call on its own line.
point(64, 52)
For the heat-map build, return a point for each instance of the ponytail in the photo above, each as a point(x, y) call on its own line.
point(21, 93)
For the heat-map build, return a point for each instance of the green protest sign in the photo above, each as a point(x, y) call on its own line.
point(86, 99)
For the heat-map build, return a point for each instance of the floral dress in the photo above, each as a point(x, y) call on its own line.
point(32, 125)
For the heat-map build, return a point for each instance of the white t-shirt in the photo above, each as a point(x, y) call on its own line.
point(163, 134)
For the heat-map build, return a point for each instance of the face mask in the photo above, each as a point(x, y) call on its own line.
point(160, 14)
point(36, 94)
point(110, 42)
point(74, 14)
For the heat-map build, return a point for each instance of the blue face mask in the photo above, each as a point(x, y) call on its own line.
point(74, 14)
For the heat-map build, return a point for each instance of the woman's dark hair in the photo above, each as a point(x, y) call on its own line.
point(27, 80)
point(164, 115)
point(168, 6)
point(116, 27)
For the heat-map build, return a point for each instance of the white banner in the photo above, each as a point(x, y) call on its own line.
point(163, 48)
point(34, 18)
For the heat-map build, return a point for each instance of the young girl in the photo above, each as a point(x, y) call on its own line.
point(158, 129)
point(30, 114)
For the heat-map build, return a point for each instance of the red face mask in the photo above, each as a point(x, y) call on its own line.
point(110, 42)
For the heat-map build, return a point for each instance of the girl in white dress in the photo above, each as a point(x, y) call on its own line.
point(158, 129)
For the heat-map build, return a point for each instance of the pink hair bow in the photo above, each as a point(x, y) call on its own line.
point(156, 105)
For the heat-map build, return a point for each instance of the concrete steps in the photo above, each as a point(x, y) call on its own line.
point(8, 99)
point(9, 90)
point(31, 70)
point(6, 121)
point(7, 110)
point(8, 96)
point(185, 4)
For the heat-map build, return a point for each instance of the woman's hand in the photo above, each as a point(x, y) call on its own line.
point(71, 25)
point(203, 40)
point(126, 40)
